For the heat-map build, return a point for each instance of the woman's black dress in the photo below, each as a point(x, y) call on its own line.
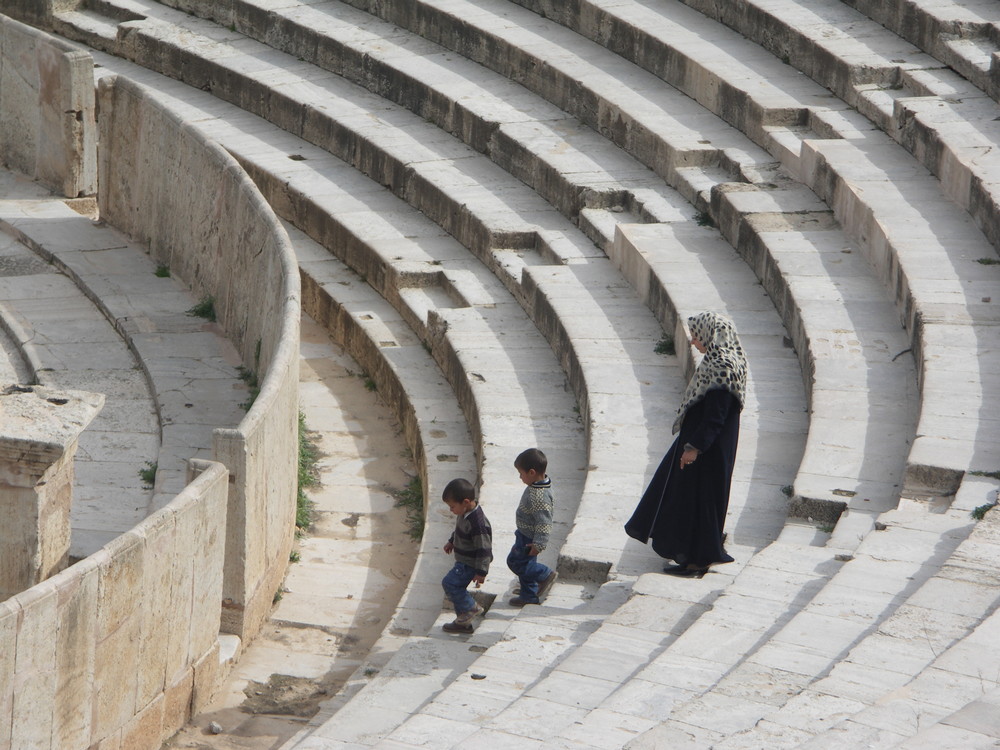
point(683, 512)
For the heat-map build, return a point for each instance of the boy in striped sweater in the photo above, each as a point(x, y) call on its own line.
point(534, 524)
point(472, 543)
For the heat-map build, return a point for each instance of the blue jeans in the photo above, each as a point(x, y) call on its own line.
point(527, 568)
point(456, 585)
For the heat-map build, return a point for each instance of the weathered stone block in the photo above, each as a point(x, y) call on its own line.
point(145, 731)
point(34, 681)
point(75, 655)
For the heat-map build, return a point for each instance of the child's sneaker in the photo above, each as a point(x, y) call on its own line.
point(457, 627)
point(544, 586)
point(463, 623)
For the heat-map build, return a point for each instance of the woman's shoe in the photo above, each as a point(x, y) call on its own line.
point(685, 571)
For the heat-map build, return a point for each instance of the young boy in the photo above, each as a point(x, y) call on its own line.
point(534, 524)
point(472, 543)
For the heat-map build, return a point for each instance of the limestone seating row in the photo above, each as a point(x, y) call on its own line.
point(964, 36)
point(566, 163)
point(909, 638)
point(284, 28)
point(943, 120)
point(278, 35)
point(922, 476)
point(537, 142)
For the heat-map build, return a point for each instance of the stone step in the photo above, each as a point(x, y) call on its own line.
point(567, 163)
point(656, 125)
point(924, 654)
point(867, 593)
point(926, 249)
point(964, 36)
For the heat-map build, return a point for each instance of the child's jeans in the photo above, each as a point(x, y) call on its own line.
point(456, 585)
point(527, 568)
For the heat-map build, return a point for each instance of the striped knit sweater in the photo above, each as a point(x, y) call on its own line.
point(473, 540)
point(534, 512)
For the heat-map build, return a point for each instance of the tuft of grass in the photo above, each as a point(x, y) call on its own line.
point(370, 385)
point(988, 261)
point(980, 513)
point(787, 490)
point(204, 309)
point(308, 476)
point(665, 346)
point(294, 556)
point(162, 271)
point(704, 219)
point(249, 377)
point(412, 500)
point(826, 528)
point(990, 474)
point(148, 475)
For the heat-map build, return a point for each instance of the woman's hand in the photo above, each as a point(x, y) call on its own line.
point(688, 456)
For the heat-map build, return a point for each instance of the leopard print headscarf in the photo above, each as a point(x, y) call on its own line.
point(723, 366)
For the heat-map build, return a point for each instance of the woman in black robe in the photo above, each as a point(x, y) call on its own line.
point(683, 510)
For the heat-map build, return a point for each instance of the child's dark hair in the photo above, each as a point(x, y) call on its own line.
point(458, 490)
point(531, 460)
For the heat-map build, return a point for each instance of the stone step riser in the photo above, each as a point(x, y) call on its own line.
point(564, 91)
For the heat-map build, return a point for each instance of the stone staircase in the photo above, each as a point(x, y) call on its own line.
point(519, 184)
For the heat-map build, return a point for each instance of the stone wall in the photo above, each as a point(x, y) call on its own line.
point(47, 128)
point(197, 211)
point(119, 649)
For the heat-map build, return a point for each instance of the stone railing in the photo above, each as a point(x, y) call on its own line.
point(123, 645)
point(188, 200)
point(47, 130)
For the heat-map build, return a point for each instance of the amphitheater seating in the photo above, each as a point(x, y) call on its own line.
point(490, 182)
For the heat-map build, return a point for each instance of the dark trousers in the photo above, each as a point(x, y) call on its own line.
point(526, 567)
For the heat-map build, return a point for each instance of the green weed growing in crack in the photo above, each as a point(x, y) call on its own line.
point(979, 513)
point(148, 475)
point(249, 377)
point(411, 499)
point(665, 346)
point(204, 309)
point(308, 476)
